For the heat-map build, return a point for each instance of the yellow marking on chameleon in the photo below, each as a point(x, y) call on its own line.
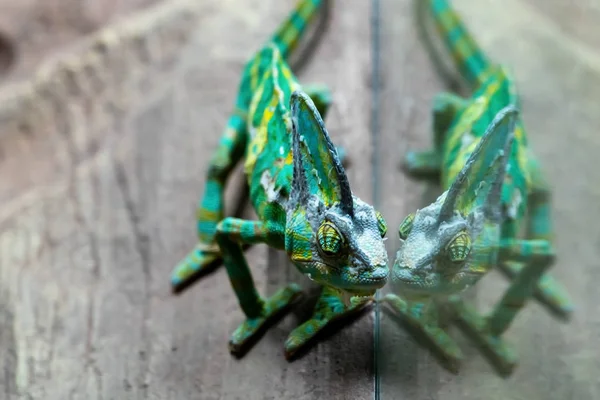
point(522, 156)
point(447, 18)
point(279, 91)
point(458, 163)
point(298, 235)
point(254, 73)
point(290, 36)
point(463, 49)
point(268, 112)
point(289, 159)
point(275, 74)
point(491, 88)
point(207, 214)
point(279, 101)
point(295, 86)
point(474, 111)
point(523, 161)
point(471, 114)
point(287, 120)
point(305, 12)
point(448, 21)
point(485, 75)
point(287, 73)
point(519, 136)
point(324, 155)
point(256, 146)
point(256, 97)
point(301, 257)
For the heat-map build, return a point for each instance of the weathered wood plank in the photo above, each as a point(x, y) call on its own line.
point(101, 204)
point(559, 78)
point(38, 29)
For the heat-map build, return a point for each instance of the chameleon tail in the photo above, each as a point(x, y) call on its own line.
point(288, 35)
point(466, 53)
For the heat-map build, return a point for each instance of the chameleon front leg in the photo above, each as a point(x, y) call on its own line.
point(539, 227)
point(231, 234)
point(322, 97)
point(329, 307)
point(210, 208)
point(427, 164)
point(474, 325)
point(424, 318)
point(537, 255)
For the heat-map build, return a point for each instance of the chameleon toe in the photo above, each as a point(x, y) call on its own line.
point(273, 308)
point(191, 266)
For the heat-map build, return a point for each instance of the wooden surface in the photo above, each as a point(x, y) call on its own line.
point(37, 29)
point(96, 210)
point(103, 160)
point(549, 47)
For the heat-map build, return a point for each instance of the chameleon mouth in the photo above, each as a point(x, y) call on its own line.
point(404, 277)
point(355, 298)
point(360, 293)
point(431, 284)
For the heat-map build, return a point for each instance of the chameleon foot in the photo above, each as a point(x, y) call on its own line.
point(442, 344)
point(422, 164)
point(273, 307)
point(500, 354)
point(196, 263)
point(329, 308)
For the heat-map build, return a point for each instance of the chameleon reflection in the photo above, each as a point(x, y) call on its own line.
point(473, 226)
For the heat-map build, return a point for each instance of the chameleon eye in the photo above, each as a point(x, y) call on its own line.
point(406, 226)
point(381, 224)
point(330, 239)
point(459, 248)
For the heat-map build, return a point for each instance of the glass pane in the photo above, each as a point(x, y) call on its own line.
point(552, 49)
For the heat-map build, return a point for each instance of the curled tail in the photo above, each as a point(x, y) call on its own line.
point(466, 53)
point(289, 33)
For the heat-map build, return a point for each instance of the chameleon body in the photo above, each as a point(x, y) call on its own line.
point(445, 247)
point(300, 193)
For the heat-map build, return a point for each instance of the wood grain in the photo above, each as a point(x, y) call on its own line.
point(103, 153)
point(37, 29)
point(558, 73)
point(98, 206)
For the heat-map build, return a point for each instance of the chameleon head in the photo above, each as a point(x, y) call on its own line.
point(332, 236)
point(450, 244)
point(436, 255)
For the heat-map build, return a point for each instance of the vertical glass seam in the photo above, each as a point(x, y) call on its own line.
point(375, 60)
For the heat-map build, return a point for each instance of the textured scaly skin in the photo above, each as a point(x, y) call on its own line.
point(300, 193)
point(436, 267)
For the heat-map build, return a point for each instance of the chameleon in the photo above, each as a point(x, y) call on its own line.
point(448, 246)
point(301, 195)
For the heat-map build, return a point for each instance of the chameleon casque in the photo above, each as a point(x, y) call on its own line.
point(300, 192)
point(449, 245)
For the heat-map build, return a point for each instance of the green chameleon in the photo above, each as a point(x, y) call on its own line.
point(300, 192)
point(449, 245)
